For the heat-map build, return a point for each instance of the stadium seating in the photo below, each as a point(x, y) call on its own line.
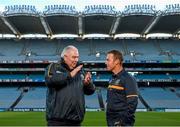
point(50, 50)
point(10, 48)
point(7, 96)
point(34, 98)
point(160, 98)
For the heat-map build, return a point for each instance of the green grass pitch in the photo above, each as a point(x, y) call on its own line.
point(91, 119)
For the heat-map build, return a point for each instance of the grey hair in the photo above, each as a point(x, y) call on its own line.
point(66, 49)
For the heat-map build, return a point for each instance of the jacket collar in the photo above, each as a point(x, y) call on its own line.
point(62, 62)
point(120, 73)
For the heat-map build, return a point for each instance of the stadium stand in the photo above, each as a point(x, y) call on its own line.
point(92, 102)
point(154, 61)
point(34, 98)
point(160, 98)
point(49, 50)
point(5, 98)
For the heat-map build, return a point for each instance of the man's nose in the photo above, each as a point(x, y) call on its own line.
point(76, 60)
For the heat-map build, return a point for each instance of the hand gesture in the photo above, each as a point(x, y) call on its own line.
point(87, 78)
point(76, 70)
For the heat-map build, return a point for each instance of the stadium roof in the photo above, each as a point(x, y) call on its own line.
point(57, 20)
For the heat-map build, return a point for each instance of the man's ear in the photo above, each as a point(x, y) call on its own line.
point(117, 62)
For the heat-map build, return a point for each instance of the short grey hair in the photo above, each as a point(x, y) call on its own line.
point(66, 49)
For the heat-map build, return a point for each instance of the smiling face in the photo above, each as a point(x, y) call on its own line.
point(71, 57)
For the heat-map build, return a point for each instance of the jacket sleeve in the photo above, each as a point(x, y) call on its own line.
point(132, 99)
point(132, 105)
point(89, 89)
point(54, 77)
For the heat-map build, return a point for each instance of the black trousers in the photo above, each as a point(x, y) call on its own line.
point(63, 123)
point(118, 119)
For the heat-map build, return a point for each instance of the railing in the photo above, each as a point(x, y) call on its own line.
point(64, 9)
point(137, 8)
point(100, 9)
point(173, 8)
point(89, 9)
point(20, 9)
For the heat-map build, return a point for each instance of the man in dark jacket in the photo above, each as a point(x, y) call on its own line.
point(122, 94)
point(67, 84)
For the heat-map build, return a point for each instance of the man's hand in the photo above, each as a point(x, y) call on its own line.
point(87, 78)
point(76, 70)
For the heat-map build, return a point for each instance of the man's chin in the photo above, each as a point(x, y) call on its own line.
point(73, 67)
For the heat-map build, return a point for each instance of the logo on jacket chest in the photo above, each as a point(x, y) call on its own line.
point(58, 72)
point(115, 81)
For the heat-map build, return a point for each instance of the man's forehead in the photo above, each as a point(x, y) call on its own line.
point(110, 55)
point(73, 52)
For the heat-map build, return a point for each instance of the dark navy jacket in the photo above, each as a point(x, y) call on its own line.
point(122, 99)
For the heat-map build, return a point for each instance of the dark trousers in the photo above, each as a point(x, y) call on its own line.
point(118, 119)
point(63, 123)
point(113, 120)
